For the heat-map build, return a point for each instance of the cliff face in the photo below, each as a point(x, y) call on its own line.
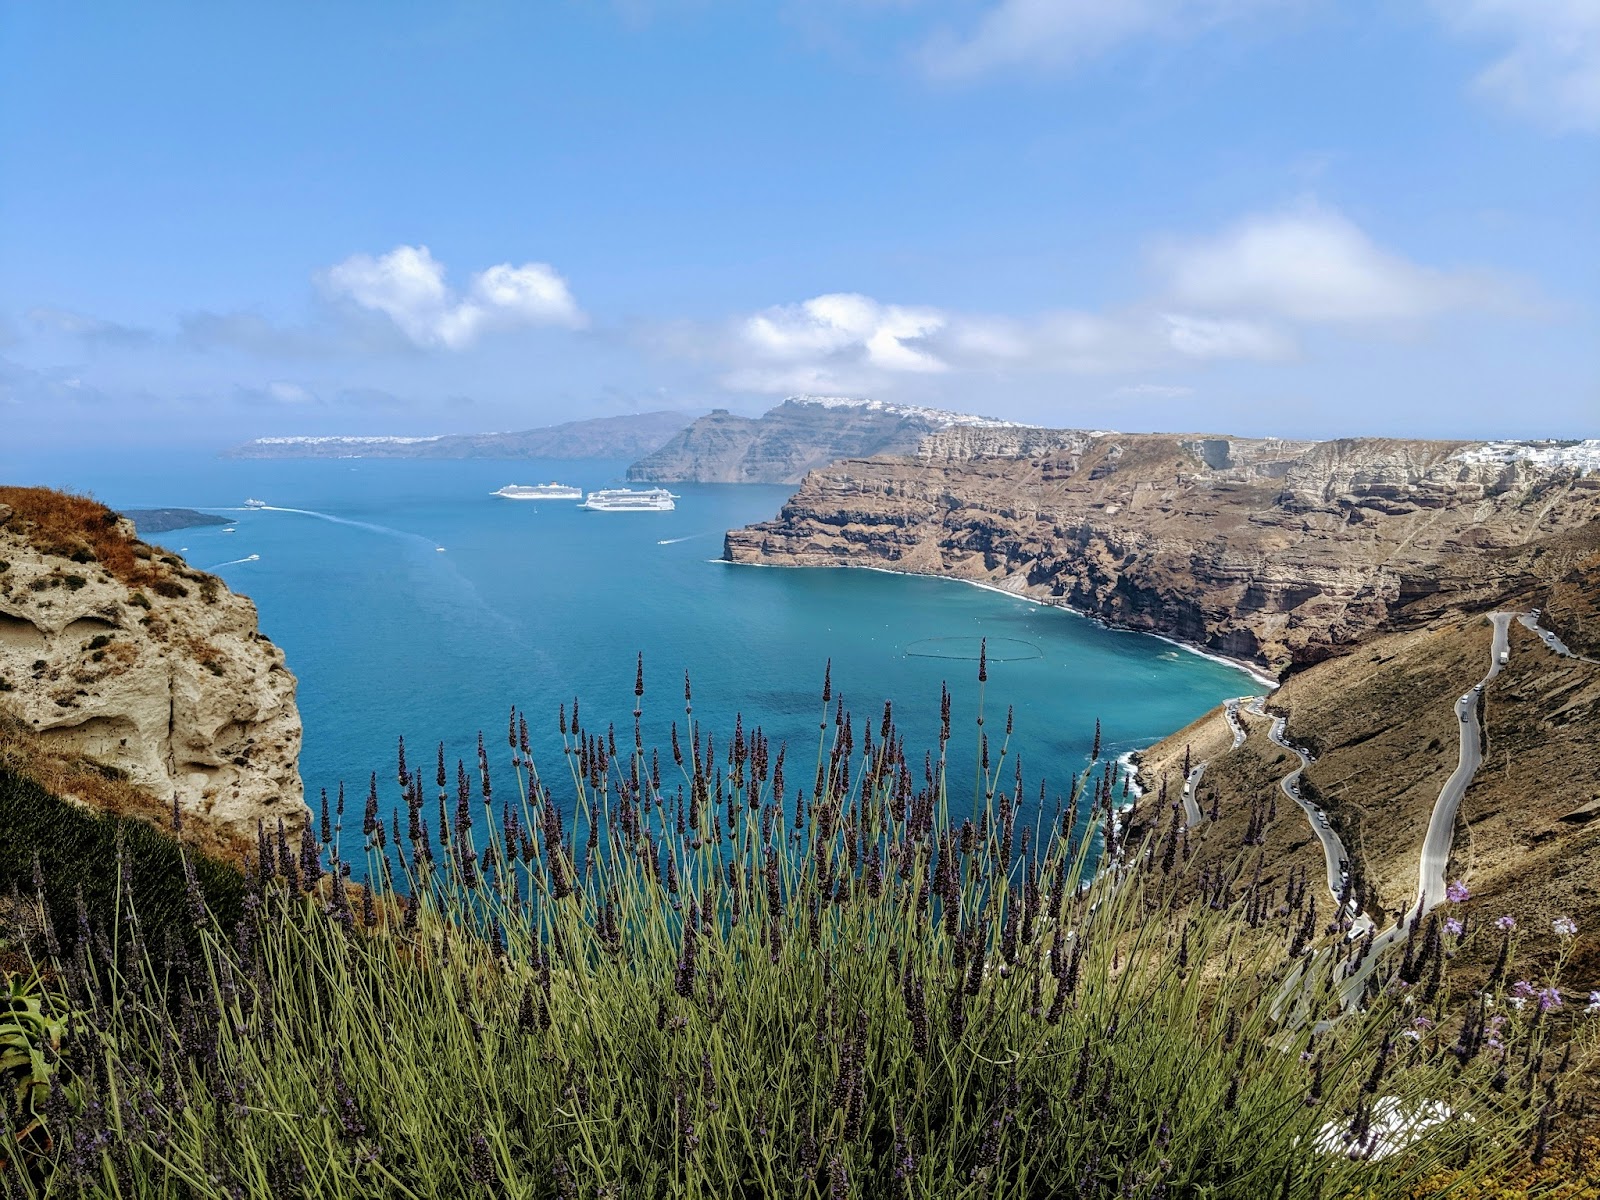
point(805, 433)
point(778, 447)
point(1283, 553)
point(113, 650)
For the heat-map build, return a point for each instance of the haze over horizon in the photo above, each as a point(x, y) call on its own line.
point(1287, 217)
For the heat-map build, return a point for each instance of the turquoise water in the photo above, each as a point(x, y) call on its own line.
point(530, 602)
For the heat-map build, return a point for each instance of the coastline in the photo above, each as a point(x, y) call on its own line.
point(1255, 673)
point(1125, 760)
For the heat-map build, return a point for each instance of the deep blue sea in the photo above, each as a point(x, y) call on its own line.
point(411, 601)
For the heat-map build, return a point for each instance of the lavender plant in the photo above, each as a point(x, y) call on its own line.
point(686, 976)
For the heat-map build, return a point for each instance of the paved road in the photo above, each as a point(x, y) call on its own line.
point(1334, 858)
point(1552, 643)
point(1191, 787)
point(1239, 731)
point(1437, 841)
point(1442, 824)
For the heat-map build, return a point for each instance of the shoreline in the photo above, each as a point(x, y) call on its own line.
point(1136, 790)
point(1256, 674)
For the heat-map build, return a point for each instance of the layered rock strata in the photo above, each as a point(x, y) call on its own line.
point(119, 652)
point(1278, 552)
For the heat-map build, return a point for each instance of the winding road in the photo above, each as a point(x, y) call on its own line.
point(1442, 824)
point(1437, 841)
point(1530, 621)
point(1335, 861)
point(1191, 788)
point(1231, 709)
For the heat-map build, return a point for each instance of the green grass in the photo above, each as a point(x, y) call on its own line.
point(709, 986)
point(75, 851)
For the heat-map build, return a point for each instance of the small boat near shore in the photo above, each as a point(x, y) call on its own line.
point(630, 500)
point(541, 491)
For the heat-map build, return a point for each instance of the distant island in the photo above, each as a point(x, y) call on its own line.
point(162, 520)
point(804, 433)
point(600, 437)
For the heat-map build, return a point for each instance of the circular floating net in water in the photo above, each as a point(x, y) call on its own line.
point(1000, 649)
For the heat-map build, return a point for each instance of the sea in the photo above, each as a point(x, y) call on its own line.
point(411, 602)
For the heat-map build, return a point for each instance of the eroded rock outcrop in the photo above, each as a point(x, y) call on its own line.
point(1279, 552)
point(117, 651)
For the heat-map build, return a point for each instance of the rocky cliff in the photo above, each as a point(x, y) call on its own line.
point(802, 434)
point(1281, 553)
point(114, 651)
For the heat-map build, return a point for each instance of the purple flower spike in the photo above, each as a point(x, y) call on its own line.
point(1507, 923)
point(1457, 893)
point(1453, 926)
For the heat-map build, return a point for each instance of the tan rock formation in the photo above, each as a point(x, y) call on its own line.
point(114, 650)
point(1282, 553)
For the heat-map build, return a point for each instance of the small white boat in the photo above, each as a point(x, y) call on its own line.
point(254, 503)
point(629, 500)
point(542, 491)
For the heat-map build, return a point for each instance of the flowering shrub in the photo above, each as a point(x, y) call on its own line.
point(685, 976)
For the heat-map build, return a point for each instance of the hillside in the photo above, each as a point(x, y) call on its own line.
point(1279, 553)
point(1363, 571)
point(599, 437)
point(802, 434)
point(118, 655)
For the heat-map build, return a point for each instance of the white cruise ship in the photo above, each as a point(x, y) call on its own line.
point(628, 500)
point(543, 491)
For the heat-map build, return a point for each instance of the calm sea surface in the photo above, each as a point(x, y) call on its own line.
point(411, 601)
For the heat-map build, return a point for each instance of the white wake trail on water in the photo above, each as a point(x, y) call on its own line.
point(504, 623)
point(233, 562)
point(369, 526)
point(676, 540)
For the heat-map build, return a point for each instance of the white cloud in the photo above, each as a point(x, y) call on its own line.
point(846, 342)
point(1152, 391)
point(1210, 337)
point(1241, 295)
point(89, 328)
point(849, 326)
point(1059, 34)
point(282, 392)
point(408, 286)
point(1311, 265)
point(1551, 69)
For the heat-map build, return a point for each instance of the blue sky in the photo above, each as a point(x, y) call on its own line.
point(1308, 217)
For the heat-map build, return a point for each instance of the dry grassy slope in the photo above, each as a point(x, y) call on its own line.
point(1235, 778)
point(1381, 723)
point(1573, 605)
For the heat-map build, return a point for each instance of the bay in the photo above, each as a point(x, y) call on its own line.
point(410, 601)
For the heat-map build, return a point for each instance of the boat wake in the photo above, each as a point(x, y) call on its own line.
point(676, 540)
point(233, 562)
point(322, 516)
